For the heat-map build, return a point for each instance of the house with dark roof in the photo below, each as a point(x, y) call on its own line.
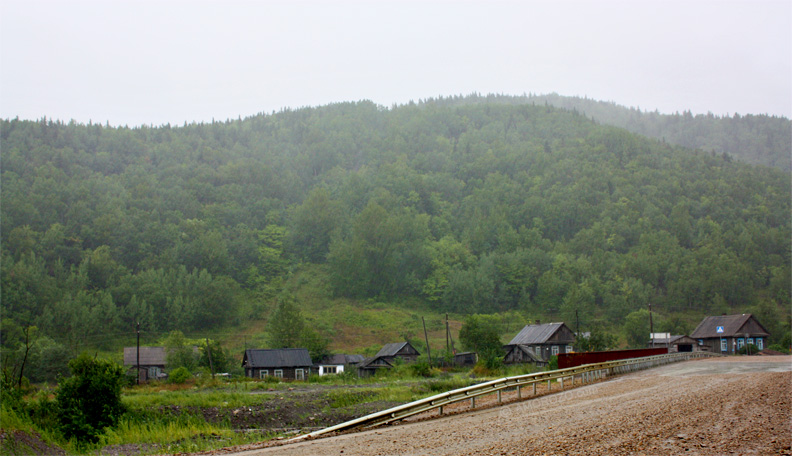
point(727, 334)
point(289, 363)
point(675, 344)
point(153, 361)
point(387, 357)
point(538, 342)
point(337, 364)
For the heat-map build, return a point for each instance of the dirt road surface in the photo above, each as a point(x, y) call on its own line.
point(721, 406)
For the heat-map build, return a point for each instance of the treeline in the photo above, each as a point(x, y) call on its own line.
point(468, 205)
point(757, 139)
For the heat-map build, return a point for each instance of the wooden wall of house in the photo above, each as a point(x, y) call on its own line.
point(289, 373)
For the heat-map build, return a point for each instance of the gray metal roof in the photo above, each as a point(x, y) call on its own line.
point(149, 356)
point(342, 359)
point(391, 349)
point(536, 334)
point(277, 357)
point(732, 326)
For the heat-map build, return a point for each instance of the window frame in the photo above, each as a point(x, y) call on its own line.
point(278, 373)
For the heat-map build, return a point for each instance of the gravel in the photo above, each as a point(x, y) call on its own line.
point(736, 405)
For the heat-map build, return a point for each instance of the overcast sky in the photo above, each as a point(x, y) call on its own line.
point(156, 62)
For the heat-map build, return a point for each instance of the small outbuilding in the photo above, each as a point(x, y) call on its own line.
point(727, 334)
point(538, 342)
point(337, 364)
point(288, 363)
point(153, 361)
point(675, 344)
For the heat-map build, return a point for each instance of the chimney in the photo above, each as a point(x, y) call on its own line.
point(538, 322)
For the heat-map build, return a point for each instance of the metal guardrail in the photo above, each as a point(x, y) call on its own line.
point(585, 373)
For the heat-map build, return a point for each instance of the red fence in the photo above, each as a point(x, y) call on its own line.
point(577, 359)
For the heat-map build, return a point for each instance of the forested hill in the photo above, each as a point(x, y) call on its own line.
point(758, 139)
point(463, 207)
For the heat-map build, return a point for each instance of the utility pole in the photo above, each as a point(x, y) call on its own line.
point(577, 323)
point(651, 325)
point(448, 336)
point(209, 354)
point(137, 353)
point(426, 337)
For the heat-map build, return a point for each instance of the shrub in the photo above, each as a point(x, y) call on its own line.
point(779, 348)
point(552, 363)
point(748, 349)
point(179, 375)
point(89, 400)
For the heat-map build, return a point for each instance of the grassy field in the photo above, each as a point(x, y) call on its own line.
point(204, 414)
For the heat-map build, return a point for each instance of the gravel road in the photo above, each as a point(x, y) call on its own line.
point(737, 405)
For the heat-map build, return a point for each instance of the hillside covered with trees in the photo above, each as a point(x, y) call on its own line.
point(757, 139)
point(466, 205)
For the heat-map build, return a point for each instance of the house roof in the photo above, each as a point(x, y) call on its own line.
point(149, 356)
point(392, 349)
point(525, 349)
point(732, 325)
point(374, 362)
point(342, 359)
point(277, 357)
point(671, 340)
point(536, 334)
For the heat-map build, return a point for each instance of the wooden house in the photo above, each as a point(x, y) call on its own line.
point(288, 363)
point(727, 334)
point(538, 342)
point(153, 361)
point(387, 357)
point(337, 364)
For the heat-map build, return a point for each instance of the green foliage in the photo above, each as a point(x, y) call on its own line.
point(552, 363)
point(89, 400)
point(479, 333)
point(179, 375)
point(179, 352)
point(475, 204)
point(288, 329)
point(598, 340)
point(779, 348)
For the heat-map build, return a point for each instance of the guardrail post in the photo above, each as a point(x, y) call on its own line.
point(548, 386)
point(473, 402)
point(562, 382)
point(441, 409)
point(519, 392)
point(499, 396)
point(534, 387)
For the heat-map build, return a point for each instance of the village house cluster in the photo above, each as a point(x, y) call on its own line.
point(535, 343)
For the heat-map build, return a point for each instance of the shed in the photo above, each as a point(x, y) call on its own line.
point(728, 333)
point(538, 342)
point(153, 361)
point(336, 364)
point(289, 363)
point(678, 343)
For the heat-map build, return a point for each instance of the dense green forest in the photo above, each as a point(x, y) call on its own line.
point(464, 205)
point(758, 139)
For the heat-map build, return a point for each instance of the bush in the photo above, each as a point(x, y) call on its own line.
point(179, 375)
point(779, 348)
point(748, 349)
point(89, 400)
point(552, 363)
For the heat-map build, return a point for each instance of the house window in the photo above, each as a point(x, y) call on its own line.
point(554, 350)
point(330, 369)
point(263, 373)
point(299, 374)
point(750, 341)
point(740, 343)
point(568, 349)
point(701, 341)
point(723, 345)
point(759, 343)
point(278, 373)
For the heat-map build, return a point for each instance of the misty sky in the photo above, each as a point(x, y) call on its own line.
point(156, 62)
